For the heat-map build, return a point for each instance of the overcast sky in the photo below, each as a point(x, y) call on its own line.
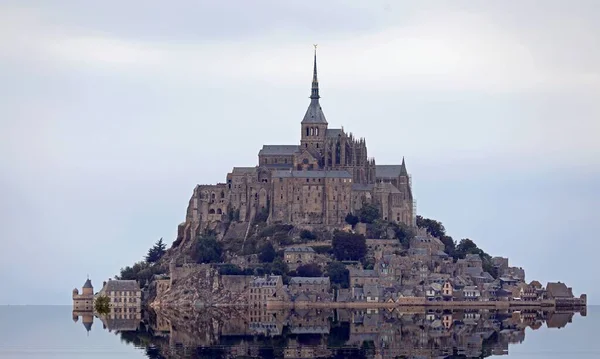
point(111, 112)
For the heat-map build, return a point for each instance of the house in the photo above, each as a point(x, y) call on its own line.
point(361, 277)
point(433, 291)
point(474, 260)
point(372, 293)
point(558, 291)
point(265, 289)
point(447, 290)
point(316, 289)
point(471, 293)
point(125, 298)
point(297, 256)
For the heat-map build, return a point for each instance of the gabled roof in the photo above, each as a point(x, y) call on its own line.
point(309, 280)
point(334, 132)
point(121, 285)
point(299, 250)
point(311, 174)
point(559, 290)
point(243, 170)
point(387, 171)
point(278, 150)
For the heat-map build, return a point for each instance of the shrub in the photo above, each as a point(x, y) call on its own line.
point(349, 246)
point(308, 235)
point(309, 270)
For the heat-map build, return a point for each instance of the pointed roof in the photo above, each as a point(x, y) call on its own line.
point(403, 171)
point(88, 284)
point(314, 113)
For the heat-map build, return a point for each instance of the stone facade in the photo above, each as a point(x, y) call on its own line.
point(85, 300)
point(125, 299)
point(317, 182)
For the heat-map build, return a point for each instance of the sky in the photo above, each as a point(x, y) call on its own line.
point(111, 112)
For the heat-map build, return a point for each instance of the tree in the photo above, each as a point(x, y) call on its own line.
point(403, 232)
point(467, 246)
point(349, 246)
point(338, 274)
point(308, 235)
point(309, 270)
point(351, 219)
point(279, 267)
point(102, 304)
point(230, 269)
point(368, 213)
point(208, 250)
point(450, 245)
point(434, 227)
point(156, 252)
point(267, 253)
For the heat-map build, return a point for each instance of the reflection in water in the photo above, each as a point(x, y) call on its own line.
point(339, 333)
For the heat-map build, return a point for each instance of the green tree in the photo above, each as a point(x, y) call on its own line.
point(156, 252)
point(403, 232)
point(102, 304)
point(230, 269)
point(278, 267)
point(308, 235)
point(208, 250)
point(369, 213)
point(349, 246)
point(351, 219)
point(309, 270)
point(267, 253)
point(338, 274)
point(434, 227)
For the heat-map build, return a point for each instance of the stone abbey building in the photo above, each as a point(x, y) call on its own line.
point(317, 182)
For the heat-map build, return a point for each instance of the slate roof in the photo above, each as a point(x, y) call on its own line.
point(362, 273)
point(309, 280)
point(121, 285)
point(362, 187)
point(280, 166)
point(334, 132)
point(299, 250)
point(278, 150)
point(243, 170)
point(314, 113)
point(88, 284)
point(388, 187)
point(311, 174)
point(387, 171)
point(559, 290)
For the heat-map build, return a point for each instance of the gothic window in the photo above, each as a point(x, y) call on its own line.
point(219, 211)
point(211, 211)
point(307, 131)
point(312, 131)
point(222, 194)
point(316, 132)
point(317, 145)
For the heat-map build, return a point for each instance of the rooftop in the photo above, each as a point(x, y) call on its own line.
point(311, 174)
point(278, 150)
point(121, 285)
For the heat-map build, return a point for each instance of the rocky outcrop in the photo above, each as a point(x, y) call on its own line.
point(201, 286)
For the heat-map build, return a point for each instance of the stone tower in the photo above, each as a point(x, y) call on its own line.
point(314, 124)
point(85, 300)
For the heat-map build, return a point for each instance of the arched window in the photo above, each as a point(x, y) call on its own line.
point(222, 194)
point(219, 211)
point(316, 131)
point(307, 133)
point(312, 131)
point(211, 211)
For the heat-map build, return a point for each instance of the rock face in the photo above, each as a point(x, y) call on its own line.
point(201, 285)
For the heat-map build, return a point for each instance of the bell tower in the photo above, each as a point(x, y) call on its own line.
point(314, 125)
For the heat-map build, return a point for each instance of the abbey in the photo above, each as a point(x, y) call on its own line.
point(317, 182)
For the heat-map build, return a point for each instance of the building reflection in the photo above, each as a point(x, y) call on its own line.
point(319, 333)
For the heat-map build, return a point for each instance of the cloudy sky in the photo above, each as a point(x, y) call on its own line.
point(111, 112)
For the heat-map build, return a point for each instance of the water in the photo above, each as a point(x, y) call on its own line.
point(51, 332)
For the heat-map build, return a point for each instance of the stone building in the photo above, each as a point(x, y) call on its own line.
point(317, 182)
point(85, 300)
point(314, 289)
point(125, 298)
point(297, 256)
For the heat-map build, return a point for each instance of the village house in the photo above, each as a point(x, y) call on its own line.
point(471, 293)
point(265, 289)
point(447, 290)
point(314, 289)
point(360, 277)
point(297, 256)
point(372, 293)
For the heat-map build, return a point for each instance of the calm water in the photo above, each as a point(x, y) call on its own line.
point(52, 332)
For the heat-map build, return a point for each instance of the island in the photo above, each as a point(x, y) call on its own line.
point(317, 224)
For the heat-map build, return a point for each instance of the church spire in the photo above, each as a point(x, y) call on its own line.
point(403, 171)
point(314, 93)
